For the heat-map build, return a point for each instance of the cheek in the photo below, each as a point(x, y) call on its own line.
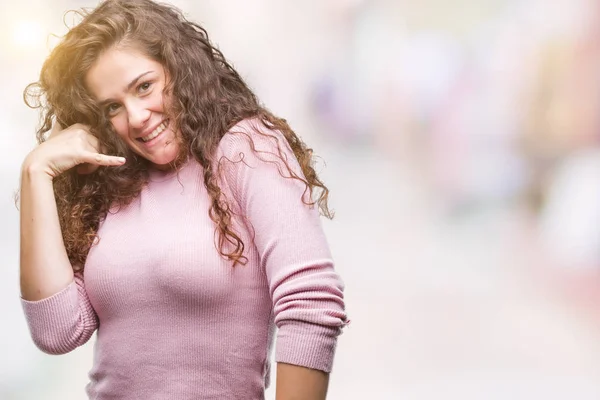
point(163, 100)
point(156, 102)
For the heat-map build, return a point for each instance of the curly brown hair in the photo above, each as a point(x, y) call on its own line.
point(210, 98)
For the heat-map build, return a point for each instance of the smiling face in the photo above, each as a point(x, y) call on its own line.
point(129, 89)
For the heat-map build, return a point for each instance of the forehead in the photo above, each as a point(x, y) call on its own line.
point(116, 68)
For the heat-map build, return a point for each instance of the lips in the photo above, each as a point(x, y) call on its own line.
point(157, 131)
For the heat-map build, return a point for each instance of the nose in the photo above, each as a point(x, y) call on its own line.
point(138, 114)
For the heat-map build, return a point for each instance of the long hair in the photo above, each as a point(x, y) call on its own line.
point(209, 96)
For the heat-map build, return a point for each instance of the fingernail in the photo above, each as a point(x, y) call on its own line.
point(122, 159)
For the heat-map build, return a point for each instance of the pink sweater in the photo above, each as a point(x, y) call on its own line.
point(174, 320)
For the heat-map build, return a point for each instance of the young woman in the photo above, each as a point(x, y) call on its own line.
point(171, 213)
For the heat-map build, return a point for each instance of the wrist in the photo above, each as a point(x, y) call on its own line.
point(32, 169)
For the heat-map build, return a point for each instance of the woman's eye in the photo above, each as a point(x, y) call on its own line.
point(144, 87)
point(112, 108)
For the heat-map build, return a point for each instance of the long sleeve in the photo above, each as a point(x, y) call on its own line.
point(62, 322)
point(307, 292)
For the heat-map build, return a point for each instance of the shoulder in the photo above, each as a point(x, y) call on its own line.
point(251, 137)
point(252, 154)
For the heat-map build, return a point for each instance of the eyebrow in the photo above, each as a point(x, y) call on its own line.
point(129, 86)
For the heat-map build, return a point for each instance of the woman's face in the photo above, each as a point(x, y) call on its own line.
point(129, 89)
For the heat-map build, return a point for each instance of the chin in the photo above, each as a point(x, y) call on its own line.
point(167, 160)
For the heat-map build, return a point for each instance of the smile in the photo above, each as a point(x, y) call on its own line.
point(159, 129)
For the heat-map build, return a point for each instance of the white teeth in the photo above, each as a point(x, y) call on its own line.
point(156, 132)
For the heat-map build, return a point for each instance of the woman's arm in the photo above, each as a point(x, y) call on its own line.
point(300, 383)
point(307, 292)
point(58, 311)
point(45, 267)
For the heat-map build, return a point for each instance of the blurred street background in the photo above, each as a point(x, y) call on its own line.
point(461, 143)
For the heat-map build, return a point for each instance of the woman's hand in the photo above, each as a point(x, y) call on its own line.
point(66, 148)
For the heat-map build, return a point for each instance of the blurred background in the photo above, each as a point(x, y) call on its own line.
point(461, 143)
